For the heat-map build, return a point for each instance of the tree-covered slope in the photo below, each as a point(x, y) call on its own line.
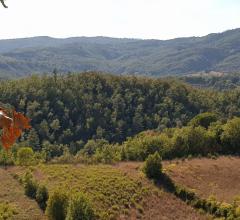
point(70, 109)
point(218, 52)
point(214, 80)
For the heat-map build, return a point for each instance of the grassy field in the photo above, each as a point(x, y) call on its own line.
point(13, 203)
point(208, 177)
point(116, 192)
point(110, 191)
point(159, 205)
point(121, 191)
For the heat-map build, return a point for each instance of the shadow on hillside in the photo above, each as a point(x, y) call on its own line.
point(165, 182)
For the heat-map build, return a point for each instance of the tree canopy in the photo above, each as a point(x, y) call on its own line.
point(68, 110)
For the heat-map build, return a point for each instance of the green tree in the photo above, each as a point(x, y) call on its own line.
point(57, 206)
point(92, 145)
point(80, 208)
point(55, 125)
point(153, 166)
point(33, 139)
point(231, 136)
point(42, 196)
point(25, 156)
point(203, 119)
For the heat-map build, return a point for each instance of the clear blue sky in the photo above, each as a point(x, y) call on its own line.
point(158, 19)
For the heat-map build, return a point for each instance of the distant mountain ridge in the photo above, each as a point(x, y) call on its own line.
point(214, 52)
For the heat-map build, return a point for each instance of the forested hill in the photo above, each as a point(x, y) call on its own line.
point(73, 108)
point(214, 80)
point(215, 52)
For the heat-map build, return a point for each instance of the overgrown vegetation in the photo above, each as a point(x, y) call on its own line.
point(42, 196)
point(107, 191)
point(7, 211)
point(57, 206)
point(30, 185)
point(80, 208)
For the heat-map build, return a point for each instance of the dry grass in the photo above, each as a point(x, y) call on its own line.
point(117, 192)
point(159, 205)
point(208, 177)
point(122, 191)
point(12, 193)
point(110, 191)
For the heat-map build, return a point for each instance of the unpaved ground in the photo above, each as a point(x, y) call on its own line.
point(207, 177)
point(12, 192)
point(160, 205)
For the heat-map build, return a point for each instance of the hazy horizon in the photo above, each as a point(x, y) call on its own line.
point(114, 37)
point(138, 19)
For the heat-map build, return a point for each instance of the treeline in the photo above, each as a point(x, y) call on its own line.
point(204, 135)
point(67, 111)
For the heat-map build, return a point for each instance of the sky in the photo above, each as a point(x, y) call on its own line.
point(145, 19)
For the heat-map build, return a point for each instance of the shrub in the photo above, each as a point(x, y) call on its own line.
point(144, 144)
point(57, 206)
point(6, 158)
point(108, 154)
point(192, 140)
point(231, 136)
point(40, 157)
point(153, 166)
point(42, 196)
point(80, 208)
point(203, 119)
point(25, 156)
point(30, 185)
point(92, 145)
point(66, 158)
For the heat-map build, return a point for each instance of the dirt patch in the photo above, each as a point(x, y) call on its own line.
point(208, 177)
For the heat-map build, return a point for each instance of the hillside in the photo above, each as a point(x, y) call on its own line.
point(216, 52)
point(115, 192)
point(216, 175)
point(12, 194)
point(214, 80)
point(121, 191)
point(75, 108)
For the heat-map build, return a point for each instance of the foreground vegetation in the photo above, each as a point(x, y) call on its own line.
point(109, 191)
